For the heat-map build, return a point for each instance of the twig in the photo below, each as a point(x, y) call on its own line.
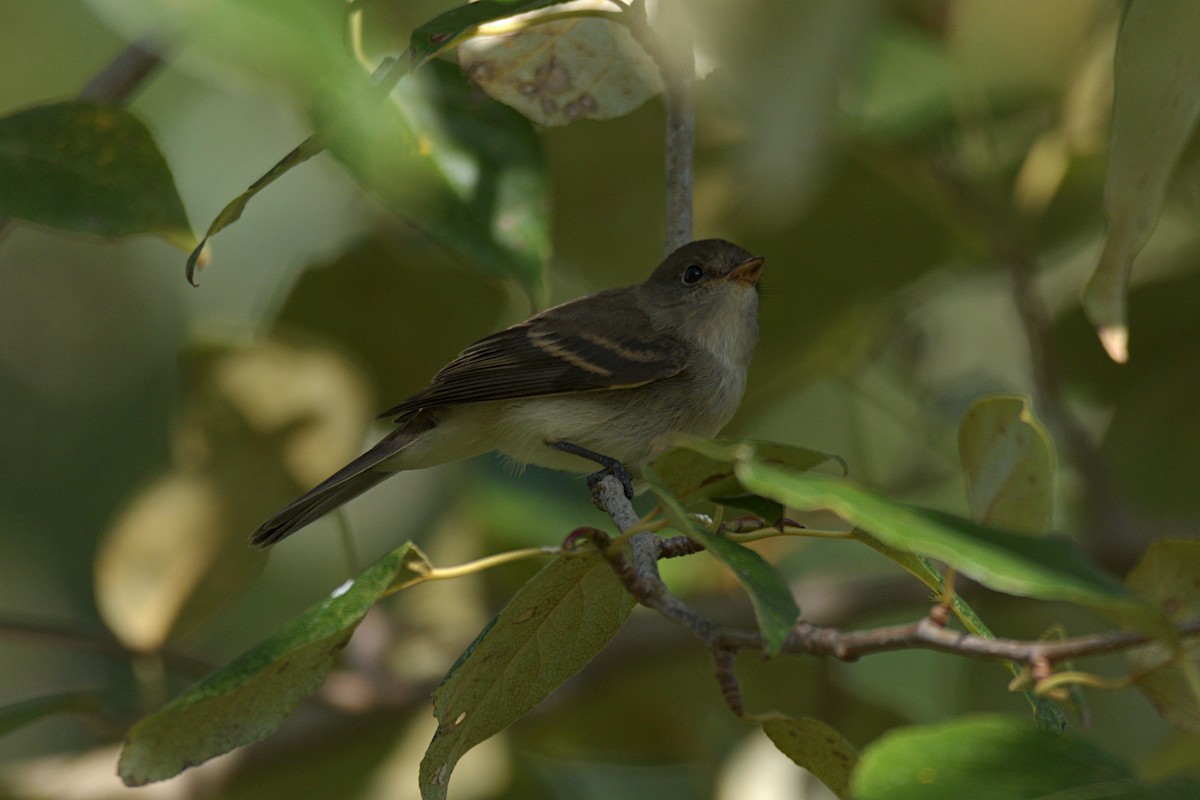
point(105, 643)
point(676, 66)
point(679, 83)
point(609, 496)
point(641, 577)
point(117, 82)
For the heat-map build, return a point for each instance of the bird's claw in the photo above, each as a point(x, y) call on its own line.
point(617, 470)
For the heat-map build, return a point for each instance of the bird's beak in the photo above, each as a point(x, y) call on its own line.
point(747, 272)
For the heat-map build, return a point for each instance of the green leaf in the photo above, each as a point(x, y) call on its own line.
point(987, 758)
point(249, 698)
point(1045, 711)
point(460, 167)
point(549, 631)
point(1049, 567)
point(1008, 461)
point(697, 469)
point(817, 748)
point(774, 607)
point(232, 212)
point(88, 168)
point(1156, 104)
point(1169, 575)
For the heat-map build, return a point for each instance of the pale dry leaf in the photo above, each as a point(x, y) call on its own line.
point(155, 555)
point(564, 71)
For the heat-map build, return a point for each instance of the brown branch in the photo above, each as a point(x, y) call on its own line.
point(677, 67)
point(117, 82)
point(641, 577)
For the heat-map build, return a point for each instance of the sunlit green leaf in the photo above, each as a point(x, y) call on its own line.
point(1008, 461)
point(818, 748)
point(1155, 108)
point(88, 168)
point(250, 697)
point(1050, 568)
point(774, 607)
point(1169, 574)
point(696, 469)
point(986, 758)
point(549, 631)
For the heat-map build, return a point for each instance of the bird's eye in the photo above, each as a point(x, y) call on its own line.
point(692, 274)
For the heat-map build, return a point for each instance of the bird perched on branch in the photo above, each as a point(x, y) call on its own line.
point(603, 380)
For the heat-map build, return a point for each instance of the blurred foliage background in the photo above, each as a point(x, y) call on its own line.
point(914, 172)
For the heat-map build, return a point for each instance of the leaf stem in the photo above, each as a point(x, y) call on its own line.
point(472, 567)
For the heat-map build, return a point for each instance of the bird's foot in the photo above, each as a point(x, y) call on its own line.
point(609, 466)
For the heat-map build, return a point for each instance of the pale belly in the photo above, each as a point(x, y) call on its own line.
point(630, 425)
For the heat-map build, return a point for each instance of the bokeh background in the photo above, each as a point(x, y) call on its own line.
point(913, 171)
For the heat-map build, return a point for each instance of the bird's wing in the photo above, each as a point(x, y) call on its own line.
point(555, 352)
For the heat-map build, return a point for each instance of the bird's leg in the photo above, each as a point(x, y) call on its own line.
point(611, 466)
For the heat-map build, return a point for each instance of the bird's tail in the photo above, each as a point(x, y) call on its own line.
point(341, 487)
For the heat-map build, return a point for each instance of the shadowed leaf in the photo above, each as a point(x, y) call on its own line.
point(549, 631)
point(774, 607)
point(88, 168)
point(17, 715)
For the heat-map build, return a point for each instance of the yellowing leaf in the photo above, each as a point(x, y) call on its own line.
point(1008, 461)
point(563, 71)
point(158, 552)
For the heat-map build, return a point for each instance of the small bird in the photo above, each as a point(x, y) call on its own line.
point(603, 380)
